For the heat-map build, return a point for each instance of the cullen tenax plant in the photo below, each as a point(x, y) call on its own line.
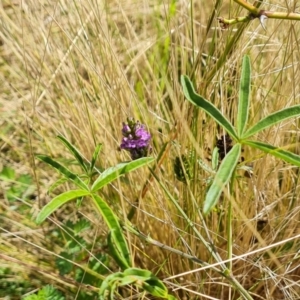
point(239, 133)
point(87, 189)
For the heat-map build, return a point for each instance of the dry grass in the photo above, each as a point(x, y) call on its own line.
point(80, 68)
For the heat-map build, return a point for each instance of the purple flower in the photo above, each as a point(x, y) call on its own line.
point(136, 139)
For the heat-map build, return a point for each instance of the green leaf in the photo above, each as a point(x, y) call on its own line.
point(222, 177)
point(154, 281)
point(205, 167)
point(113, 173)
point(117, 237)
point(57, 202)
point(64, 263)
point(63, 170)
point(244, 96)
point(95, 156)
point(146, 274)
point(272, 119)
point(135, 275)
point(114, 251)
point(129, 280)
point(209, 108)
point(215, 159)
point(56, 184)
point(47, 292)
point(81, 225)
point(73, 151)
point(155, 290)
point(277, 152)
point(109, 284)
point(142, 278)
point(7, 173)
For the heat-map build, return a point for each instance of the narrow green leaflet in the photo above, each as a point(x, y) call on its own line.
point(109, 285)
point(144, 279)
point(222, 177)
point(209, 108)
point(117, 237)
point(63, 170)
point(155, 290)
point(215, 159)
point(145, 274)
point(56, 184)
point(57, 202)
point(74, 151)
point(277, 152)
point(272, 119)
point(114, 251)
point(244, 96)
point(113, 173)
point(95, 156)
point(205, 167)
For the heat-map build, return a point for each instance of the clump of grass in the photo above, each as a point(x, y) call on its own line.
point(79, 70)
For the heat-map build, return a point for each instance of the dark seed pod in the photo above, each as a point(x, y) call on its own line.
point(182, 168)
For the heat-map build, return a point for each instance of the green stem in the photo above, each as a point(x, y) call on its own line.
point(239, 287)
point(281, 15)
point(268, 14)
point(192, 30)
point(255, 12)
point(248, 6)
point(229, 224)
point(254, 9)
point(225, 22)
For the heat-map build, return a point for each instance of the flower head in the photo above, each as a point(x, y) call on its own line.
point(136, 139)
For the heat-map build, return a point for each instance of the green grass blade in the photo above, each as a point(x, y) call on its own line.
point(209, 108)
point(272, 119)
point(95, 156)
point(63, 170)
point(113, 173)
point(74, 151)
point(117, 237)
point(244, 96)
point(277, 152)
point(222, 177)
point(57, 202)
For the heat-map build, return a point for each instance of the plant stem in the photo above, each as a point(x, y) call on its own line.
point(267, 14)
point(229, 223)
point(254, 12)
point(272, 15)
point(281, 15)
point(254, 9)
point(248, 6)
